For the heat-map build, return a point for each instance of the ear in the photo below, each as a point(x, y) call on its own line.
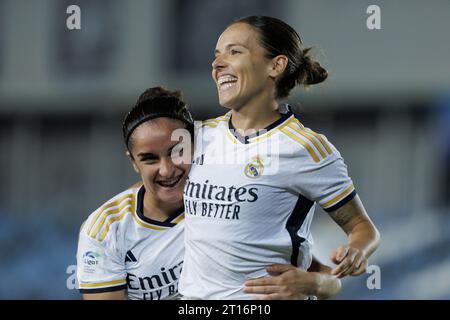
point(133, 163)
point(279, 64)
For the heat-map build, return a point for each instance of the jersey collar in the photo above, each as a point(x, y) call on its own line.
point(285, 113)
point(170, 222)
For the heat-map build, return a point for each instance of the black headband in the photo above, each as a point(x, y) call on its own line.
point(151, 117)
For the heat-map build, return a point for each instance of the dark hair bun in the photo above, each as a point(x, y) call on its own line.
point(310, 71)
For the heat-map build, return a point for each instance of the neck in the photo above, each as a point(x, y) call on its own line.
point(255, 115)
point(157, 211)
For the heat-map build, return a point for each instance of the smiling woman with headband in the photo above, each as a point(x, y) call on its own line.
point(132, 246)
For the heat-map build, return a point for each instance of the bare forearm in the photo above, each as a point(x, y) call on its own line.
point(326, 285)
point(362, 233)
point(365, 237)
point(329, 286)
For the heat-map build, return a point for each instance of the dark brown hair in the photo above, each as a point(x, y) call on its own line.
point(154, 103)
point(278, 38)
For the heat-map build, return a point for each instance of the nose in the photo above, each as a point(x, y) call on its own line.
point(166, 168)
point(218, 63)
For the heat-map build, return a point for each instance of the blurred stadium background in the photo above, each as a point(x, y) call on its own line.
point(63, 93)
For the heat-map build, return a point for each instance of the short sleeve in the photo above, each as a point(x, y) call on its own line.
point(325, 181)
point(99, 266)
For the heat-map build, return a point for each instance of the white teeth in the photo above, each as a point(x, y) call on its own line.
point(226, 79)
point(169, 182)
point(227, 85)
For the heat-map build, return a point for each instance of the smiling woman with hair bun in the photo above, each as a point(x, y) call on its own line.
point(230, 239)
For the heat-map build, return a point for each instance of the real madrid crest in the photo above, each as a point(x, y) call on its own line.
point(254, 168)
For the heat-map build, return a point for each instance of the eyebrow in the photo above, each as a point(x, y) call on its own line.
point(149, 154)
point(228, 46)
point(143, 155)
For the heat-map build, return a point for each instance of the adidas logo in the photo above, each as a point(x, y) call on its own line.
point(130, 257)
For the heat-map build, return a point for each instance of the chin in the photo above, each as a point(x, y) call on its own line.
point(172, 199)
point(225, 100)
point(225, 105)
point(171, 196)
point(228, 103)
point(232, 103)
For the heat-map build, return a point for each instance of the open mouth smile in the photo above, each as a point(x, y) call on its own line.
point(170, 183)
point(225, 82)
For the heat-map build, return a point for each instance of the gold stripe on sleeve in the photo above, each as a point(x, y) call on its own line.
point(114, 219)
point(105, 207)
point(321, 139)
point(338, 198)
point(103, 284)
point(108, 224)
point(318, 136)
point(107, 213)
point(307, 136)
point(303, 143)
point(209, 123)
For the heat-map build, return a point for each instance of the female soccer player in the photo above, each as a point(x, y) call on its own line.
point(132, 246)
point(250, 197)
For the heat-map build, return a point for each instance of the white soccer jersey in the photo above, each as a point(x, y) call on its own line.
point(249, 202)
point(119, 248)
